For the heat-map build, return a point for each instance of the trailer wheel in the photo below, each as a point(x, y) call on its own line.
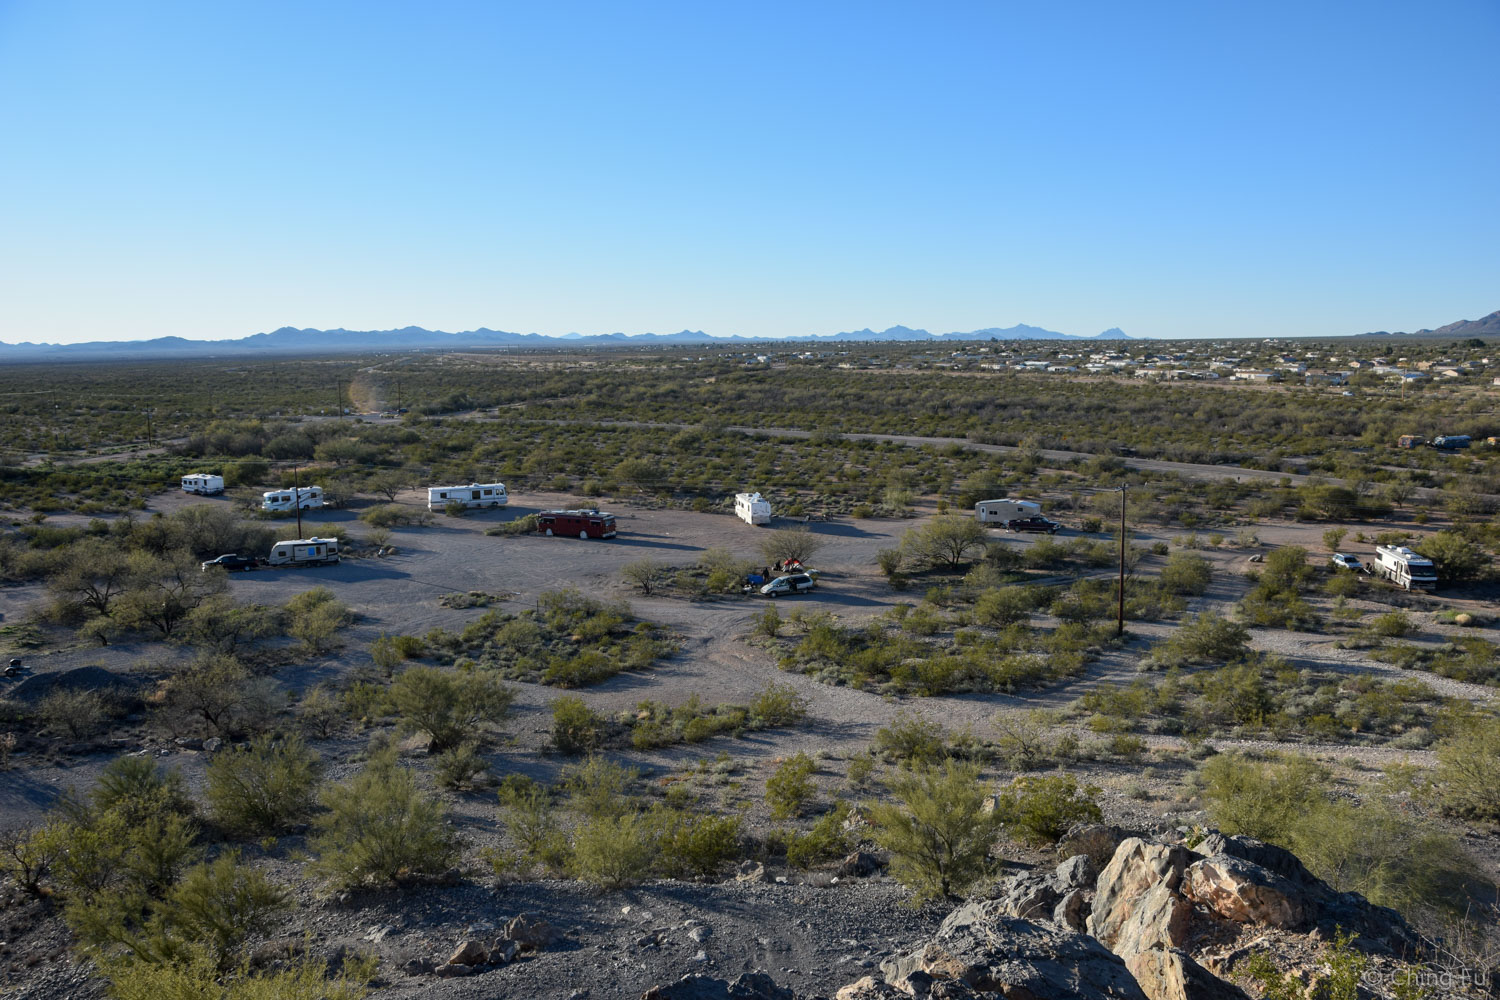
point(584, 535)
point(549, 532)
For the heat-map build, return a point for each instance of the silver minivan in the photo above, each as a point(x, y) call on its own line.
point(799, 583)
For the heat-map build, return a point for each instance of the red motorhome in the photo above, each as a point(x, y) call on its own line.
point(583, 523)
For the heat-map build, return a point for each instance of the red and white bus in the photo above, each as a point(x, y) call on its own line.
point(583, 523)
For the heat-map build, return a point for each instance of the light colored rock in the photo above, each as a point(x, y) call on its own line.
point(530, 931)
point(1135, 868)
point(471, 952)
point(1244, 892)
point(452, 970)
point(213, 744)
point(751, 871)
point(1172, 974)
point(1159, 918)
point(504, 951)
point(869, 988)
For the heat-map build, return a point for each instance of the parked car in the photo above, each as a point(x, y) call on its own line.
point(797, 583)
point(232, 562)
point(1342, 561)
point(1037, 523)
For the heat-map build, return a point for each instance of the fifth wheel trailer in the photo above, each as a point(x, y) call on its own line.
point(752, 508)
point(1001, 511)
point(204, 483)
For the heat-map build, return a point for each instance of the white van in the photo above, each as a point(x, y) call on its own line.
point(307, 498)
point(305, 552)
point(752, 508)
point(473, 495)
point(203, 483)
point(1001, 511)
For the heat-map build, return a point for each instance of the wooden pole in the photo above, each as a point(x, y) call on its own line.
point(1120, 623)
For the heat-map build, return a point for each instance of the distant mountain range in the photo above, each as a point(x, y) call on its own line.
point(290, 340)
point(1486, 326)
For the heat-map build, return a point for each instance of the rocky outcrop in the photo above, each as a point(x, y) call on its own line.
point(1160, 918)
point(988, 951)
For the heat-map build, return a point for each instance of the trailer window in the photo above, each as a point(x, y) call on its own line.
point(475, 495)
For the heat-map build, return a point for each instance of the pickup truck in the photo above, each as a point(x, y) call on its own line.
point(1033, 524)
point(231, 562)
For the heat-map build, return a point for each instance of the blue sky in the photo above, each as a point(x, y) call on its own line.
point(212, 170)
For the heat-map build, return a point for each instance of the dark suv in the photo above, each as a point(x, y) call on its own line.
point(232, 562)
point(1033, 524)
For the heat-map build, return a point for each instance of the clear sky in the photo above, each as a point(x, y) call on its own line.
point(215, 169)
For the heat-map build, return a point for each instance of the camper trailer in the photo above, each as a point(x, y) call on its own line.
point(473, 495)
point(1406, 569)
point(305, 552)
point(1002, 511)
point(752, 508)
point(306, 497)
point(203, 484)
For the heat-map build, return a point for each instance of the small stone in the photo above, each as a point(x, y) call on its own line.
point(700, 957)
point(377, 934)
point(700, 933)
point(451, 970)
point(212, 744)
point(417, 967)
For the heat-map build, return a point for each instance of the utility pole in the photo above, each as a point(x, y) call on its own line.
point(1120, 623)
point(338, 398)
point(398, 396)
point(148, 427)
point(297, 496)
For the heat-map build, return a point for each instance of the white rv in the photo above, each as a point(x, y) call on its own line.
point(1000, 511)
point(202, 482)
point(752, 508)
point(305, 552)
point(473, 495)
point(306, 497)
point(1405, 568)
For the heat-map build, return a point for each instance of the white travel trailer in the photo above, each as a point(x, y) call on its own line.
point(752, 508)
point(1405, 568)
point(306, 497)
point(202, 482)
point(305, 552)
point(473, 495)
point(1000, 511)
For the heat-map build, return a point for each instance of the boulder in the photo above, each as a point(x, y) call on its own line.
point(870, 988)
point(1159, 918)
point(1072, 911)
point(859, 864)
point(1078, 872)
point(1135, 868)
point(471, 952)
point(751, 871)
point(984, 949)
point(530, 932)
point(453, 970)
point(504, 951)
point(1030, 896)
point(1243, 891)
point(1172, 974)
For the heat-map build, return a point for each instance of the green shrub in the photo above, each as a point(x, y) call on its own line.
point(610, 852)
point(790, 788)
point(200, 978)
point(379, 828)
point(459, 767)
point(1207, 638)
point(75, 714)
point(826, 840)
point(936, 830)
point(778, 705)
point(264, 788)
point(598, 787)
point(1466, 781)
point(576, 728)
point(1186, 573)
point(1002, 607)
point(1392, 625)
point(316, 616)
point(912, 738)
point(694, 844)
point(1039, 809)
point(450, 706)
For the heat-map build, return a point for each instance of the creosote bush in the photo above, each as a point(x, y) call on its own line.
point(1038, 809)
point(380, 828)
point(451, 706)
point(936, 829)
point(263, 788)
